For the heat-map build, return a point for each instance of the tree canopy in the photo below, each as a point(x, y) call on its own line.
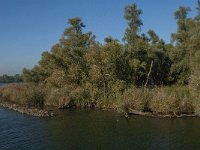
point(79, 63)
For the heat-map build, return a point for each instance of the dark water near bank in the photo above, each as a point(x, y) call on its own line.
point(96, 130)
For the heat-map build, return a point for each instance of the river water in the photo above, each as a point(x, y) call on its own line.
point(2, 84)
point(93, 129)
point(6, 84)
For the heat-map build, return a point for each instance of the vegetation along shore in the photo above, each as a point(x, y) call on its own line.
point(142, 75)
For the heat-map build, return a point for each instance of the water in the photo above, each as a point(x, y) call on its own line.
point(2, 84)
point(96, 130)
point(6, 84)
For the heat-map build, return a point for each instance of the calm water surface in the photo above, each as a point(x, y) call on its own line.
point(2, 84)
point(89, 129)
point(6, 84)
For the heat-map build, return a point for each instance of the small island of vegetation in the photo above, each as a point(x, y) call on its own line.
point(141, 75)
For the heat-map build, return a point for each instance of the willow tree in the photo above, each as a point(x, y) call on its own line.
point(180, 70)
point(135, 46)
point(76, 44)
point(105, 62)
point(198, 11)
point(194, 82)
point(161, 62)
point(67, 56)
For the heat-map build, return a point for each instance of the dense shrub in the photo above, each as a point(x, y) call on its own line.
point(194, 83)
point(14, 93)
point(35, 96)
point(58, 97)
point(171, 100)
point(136, 99)
point(160, 100)
point(24, 94)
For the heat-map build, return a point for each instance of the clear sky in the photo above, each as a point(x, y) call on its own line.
point(29, 27)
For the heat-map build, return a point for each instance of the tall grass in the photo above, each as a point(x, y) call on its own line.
point(23, 94)
point(159, 100)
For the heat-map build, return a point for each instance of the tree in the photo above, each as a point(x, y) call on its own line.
point(76, 44)
point(198, 11)
point(132, 15)
point(180, 70)
point(67, 56)
point(153, 37)
point(161, 62)
point(136, 47)
point(182, 22)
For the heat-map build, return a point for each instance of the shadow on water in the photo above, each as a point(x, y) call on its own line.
point(93, 129)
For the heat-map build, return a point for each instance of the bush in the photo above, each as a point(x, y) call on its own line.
point(24, 94)
point(35, 96)
point(159, 100)
point(81, 97)
point(14, 93)
point(57, 79)
point(58, 97)
point(174, 100)
point(68, 96)
point(136, 99)
point(194, 83)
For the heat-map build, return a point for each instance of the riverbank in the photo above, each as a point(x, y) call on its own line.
point(49, 113)
point(26, 110)
point(171, 102)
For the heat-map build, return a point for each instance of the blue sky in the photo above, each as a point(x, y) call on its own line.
point(29, 27)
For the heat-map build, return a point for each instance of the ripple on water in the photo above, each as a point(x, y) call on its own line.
point(96, 130)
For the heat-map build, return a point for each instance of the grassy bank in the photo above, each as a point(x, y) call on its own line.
point(166, 101)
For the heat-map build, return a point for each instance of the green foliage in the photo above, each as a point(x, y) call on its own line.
point(186, 44)
point(24, 94)
point(59, 97)
point(78, 70)
point(171, 100)
point(136, 99)
point(57, 79)
point(183, 22)
point(194, 83)
point(78, 59)
point(35, 97)
point(13, 93)
point(132, 15)
point(198, 10)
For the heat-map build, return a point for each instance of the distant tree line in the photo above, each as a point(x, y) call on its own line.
point(11, 79)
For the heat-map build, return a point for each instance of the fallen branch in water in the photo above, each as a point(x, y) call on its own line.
point(149, 114)
point(134, 112)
